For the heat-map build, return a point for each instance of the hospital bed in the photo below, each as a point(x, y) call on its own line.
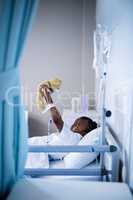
point(93, 171)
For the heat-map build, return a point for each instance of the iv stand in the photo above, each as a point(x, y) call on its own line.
point(105, 113)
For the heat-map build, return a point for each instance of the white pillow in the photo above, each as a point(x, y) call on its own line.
point(80, 160)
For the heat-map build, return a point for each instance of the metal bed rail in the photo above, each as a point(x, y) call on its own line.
point(72, 148)
point(70, 172)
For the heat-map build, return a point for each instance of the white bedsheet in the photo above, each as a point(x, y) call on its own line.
point(37, 160)
point(40, 189)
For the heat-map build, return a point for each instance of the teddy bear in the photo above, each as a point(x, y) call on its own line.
point(52, 85)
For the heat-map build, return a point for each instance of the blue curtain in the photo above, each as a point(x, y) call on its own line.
point(15, 21)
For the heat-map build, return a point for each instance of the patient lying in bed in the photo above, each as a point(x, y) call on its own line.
point(66, 135)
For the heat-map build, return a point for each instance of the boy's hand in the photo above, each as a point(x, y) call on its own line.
point(42, 87)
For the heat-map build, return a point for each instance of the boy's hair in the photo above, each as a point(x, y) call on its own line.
point(91, 124)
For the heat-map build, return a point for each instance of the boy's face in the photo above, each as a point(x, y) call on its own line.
point(79, 126)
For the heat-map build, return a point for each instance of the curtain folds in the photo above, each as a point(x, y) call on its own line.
point(15, 21)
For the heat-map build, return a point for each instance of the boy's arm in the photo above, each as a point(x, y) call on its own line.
point(56, 116)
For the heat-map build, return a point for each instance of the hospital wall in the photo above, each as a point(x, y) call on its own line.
point(60, 45)
point(117, 17)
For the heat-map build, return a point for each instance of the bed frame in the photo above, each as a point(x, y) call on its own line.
point(100, 171)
